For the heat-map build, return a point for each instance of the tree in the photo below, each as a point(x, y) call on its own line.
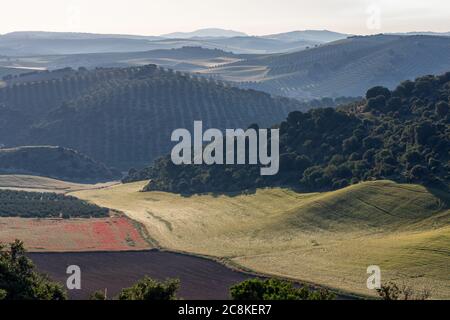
point(151, 290)
point(442, 108)
point(19, 281)
point(275, 289)
point(378, 103)
point(378, 91)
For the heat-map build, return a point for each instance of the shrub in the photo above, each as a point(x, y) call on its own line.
point(151, 290)
point(274, 289)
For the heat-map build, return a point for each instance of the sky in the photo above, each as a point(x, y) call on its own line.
point(255, 17)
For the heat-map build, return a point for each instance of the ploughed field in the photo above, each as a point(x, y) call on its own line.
point(329, 239)
point(200, 278)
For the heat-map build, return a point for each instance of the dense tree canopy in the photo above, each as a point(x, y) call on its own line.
point(403, 135)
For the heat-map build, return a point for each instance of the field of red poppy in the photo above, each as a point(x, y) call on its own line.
point(75, 235)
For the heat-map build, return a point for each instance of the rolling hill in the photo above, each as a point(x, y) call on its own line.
point(324, 238)
point(191, 59)
point(319, 36)
point(32, 43)
point(55, 162)
point(205, 33)
point(341, 68)
point(125, 117)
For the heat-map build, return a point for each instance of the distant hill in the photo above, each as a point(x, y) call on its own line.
point(55, 162)
point(205, 33)
point(342, 68)
point(124, 117)
point(71, 35)
point(424, 33)
point(318, 36)
point(187, 58)
point(401, 135)
point(31, 43)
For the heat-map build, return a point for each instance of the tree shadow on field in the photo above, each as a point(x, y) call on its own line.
point(441, 191)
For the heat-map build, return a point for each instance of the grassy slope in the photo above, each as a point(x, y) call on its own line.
point(328, 238)
point(43, 184)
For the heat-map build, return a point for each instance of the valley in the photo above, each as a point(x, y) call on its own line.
point(200, 278)
point(359, 147)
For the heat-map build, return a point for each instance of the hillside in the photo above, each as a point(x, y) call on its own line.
point(342, 68)
point(319, 36)
point(43, 184)
point(192, 59)
point(125, 117)
point(401, 135)
point(54, 162)
point(324, 238)
point(205, 33)
point(35, 43)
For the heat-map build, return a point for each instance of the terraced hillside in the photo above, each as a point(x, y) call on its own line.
point(125, 117)
point(325, 238)
point(342, 68)
point(55, 162)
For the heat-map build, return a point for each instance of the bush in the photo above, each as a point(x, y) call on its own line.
point(98, 295)
point(151, 290)
point(274, 289)
point(392, 291)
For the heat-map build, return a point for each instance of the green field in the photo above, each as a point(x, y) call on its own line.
point(324, 238)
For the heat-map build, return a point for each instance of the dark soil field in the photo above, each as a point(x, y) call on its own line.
point(200, 278)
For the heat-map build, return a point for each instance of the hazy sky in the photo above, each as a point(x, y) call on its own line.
point(154, 17)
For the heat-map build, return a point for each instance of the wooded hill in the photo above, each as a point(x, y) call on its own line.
point(401, 135)
point(125, 117)
point(55, 162)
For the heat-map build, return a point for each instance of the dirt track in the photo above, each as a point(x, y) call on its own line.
point(200, 278)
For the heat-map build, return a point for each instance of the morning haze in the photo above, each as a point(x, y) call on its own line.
point(254, 17)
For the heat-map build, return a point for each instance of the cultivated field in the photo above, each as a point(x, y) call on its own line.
point(42, 184)
point(200, 278)
point(74, 235)
point(328, 239)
